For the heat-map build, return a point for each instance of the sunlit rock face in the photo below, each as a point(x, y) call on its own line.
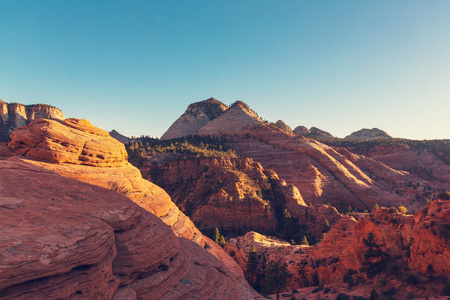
point(80, 241)
point(72, 148)
point(195, 117)
point(321, 173)
point(15, 115)
point(368, 135)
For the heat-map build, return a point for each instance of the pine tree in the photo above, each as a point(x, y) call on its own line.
point(216, 236)
point(304, 241)
point(252, 264)
point(276, 277)
point(222, 241)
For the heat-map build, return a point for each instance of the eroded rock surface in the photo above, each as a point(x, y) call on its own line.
point(62, 238)
point(368, 135)
point(15, 115)
point(196, 116)
point(121, 176)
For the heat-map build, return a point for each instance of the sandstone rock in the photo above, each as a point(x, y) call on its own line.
point(283, 126)
point(321, 173)
point(81, 241)
point(71, 141)
point(430, 240)
point(121, 138)
point(301, 130)
point(124, 179)
point(195, 117)
point(319, 133)
point(15, 115)
point(217, 192)
point(368, 135)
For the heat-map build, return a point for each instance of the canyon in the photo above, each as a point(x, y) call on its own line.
point(85, 216)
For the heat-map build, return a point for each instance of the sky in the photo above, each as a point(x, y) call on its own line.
point(135, 66)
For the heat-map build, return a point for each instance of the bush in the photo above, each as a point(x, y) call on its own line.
point(402, 209)
point(118, 188)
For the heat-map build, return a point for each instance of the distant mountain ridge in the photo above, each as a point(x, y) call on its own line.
point(323, 174)
point(14, 115)
point(368, 135)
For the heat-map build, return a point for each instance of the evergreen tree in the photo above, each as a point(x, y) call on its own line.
point(222, 241)
point(216, 236)
point(276, 277)
point(304, 241)
point(252, 264)
point(375, 258)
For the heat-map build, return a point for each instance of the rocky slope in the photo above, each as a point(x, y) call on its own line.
point(120, 137)
point(390, 252)
point(313, 132)
point(427, 160)
point(322, 174)
point(217, 189)
point(62, 238)
point(76, 149)
point(195, 117)
point(368, 135)
point(15, 115)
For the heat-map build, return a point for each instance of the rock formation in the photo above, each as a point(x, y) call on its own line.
point(120, 137)
point(301, 130)
point(283, 126)
point(64, 154)
point(368, 135)
point(319, 134)
point(322, 174)
point(70, 141)
point(195, 117)
point(62, 238)
point(313, 132)
point(384, 250)
point(15, 115)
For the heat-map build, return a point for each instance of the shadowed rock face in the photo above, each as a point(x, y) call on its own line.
point(194, 118)
point(62, 238)
point(15, 115)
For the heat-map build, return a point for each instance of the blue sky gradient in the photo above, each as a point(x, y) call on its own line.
point(134, 66)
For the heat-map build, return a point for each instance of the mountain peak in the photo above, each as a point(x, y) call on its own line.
point(195, 117)
point(368, 134)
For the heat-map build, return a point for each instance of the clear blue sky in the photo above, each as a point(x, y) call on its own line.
point(135, 66)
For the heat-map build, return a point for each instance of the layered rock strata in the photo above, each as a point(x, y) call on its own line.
point(368, 135)
point(196, 116)
point(65, 155)
point(80, 241)
point(15, 115)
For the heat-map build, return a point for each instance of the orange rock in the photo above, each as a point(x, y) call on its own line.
point(126, 178)
point(64, 142)
point(81, 241)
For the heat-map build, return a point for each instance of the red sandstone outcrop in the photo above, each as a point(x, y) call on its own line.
point(368, 135)
point(15, 115)
point(431, 163)
point(71, 141)
point(301, 130)
point(416, 250)
point(196, 116)
point(62, 238)
point(283, 126)
point(321, 173)
point(58, 141)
